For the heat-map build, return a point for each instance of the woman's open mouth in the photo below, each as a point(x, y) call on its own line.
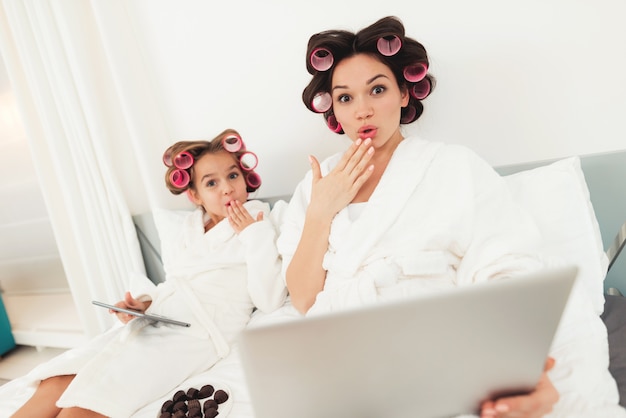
point(367, 131)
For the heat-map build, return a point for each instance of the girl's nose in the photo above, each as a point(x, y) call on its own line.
point(228, 189)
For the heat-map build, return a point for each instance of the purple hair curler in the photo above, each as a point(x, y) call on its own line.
point(253, 180)
point(333, 124)
point(248, 161)
point(179, 178)
point(421, 89)
point(409, 115)
point(389, 45)
point(232, 143)
point(321, 59)
point(321, 102)
point(183, 160)
point(415, 72)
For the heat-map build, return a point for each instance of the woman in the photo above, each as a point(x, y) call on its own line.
point(394, 216)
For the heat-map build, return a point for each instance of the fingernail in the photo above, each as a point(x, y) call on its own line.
point(357, 142)
point(502, 407)
point(310, 159)
point(370, 150)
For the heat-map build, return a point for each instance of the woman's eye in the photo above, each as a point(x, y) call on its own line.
point(378, 90)
point(344, 98)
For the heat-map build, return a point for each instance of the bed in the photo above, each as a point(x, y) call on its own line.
point(579, 204)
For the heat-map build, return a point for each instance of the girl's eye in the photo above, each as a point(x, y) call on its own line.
point(211, 183)
point(378, 90)
point(233, 176)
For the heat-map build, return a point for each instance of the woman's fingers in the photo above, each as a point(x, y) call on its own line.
point(356, 158)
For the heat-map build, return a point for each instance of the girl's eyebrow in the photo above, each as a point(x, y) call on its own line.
point(370, 81)
point(234, 166)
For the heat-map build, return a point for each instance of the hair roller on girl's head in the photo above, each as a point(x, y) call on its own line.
point(248, 161)
point(321, 59)
point(389, 45)
point(253, 180)
point(167, 157)
point(322, 102)
point(233, 143)
point(179, 178)
point(184, 160)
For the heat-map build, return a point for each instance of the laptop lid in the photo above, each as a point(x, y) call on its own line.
point(434, 356)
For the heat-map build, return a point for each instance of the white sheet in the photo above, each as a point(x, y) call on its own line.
point(226, 374)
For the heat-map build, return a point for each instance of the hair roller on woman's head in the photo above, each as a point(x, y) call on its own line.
point(386, 41)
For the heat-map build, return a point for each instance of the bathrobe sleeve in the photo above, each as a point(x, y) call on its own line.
point(265, 286)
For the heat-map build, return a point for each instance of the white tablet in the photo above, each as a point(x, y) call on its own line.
point(152, 317)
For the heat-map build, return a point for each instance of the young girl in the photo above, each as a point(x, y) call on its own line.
point(395, 216)
point(222, 265)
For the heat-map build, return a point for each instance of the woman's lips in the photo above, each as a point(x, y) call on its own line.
point(367, 132)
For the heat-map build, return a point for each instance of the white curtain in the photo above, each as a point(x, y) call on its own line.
point(77, 77)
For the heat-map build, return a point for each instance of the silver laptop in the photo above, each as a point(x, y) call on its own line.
point(436, 356)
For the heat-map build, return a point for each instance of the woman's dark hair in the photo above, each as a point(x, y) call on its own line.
point(343, 44)
point(197, 149)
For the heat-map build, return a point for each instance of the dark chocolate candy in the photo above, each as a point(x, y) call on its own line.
point(205, 391)
point(220, 396)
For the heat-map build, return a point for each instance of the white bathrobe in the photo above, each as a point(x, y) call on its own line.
point(439, 214)
point(441, 217)
point(214, 280)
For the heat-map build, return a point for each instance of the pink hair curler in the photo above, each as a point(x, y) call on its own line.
point(409, 115)
point(253, 180)
point(183, 160)
point(179, 178)
point(167, 157)
point(421, 89)
point(248, 161)
point(333, 124)
point(321, 59)
point(232, 143)
point(321, 102)
point(415, 72)
point(389, 45)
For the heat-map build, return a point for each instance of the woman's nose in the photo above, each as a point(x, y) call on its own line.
point(364, 110)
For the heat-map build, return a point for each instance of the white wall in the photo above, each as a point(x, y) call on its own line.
point(517, 81)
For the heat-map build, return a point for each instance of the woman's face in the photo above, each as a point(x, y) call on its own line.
point(217, 180)
point(367, 100)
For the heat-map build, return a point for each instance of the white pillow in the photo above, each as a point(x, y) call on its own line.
point(169, 224)
point(557, 197)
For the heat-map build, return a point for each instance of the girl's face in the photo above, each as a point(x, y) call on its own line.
point(367, 100)
point(217, 180)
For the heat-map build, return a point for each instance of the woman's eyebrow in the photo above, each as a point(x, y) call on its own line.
point(370, 81)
